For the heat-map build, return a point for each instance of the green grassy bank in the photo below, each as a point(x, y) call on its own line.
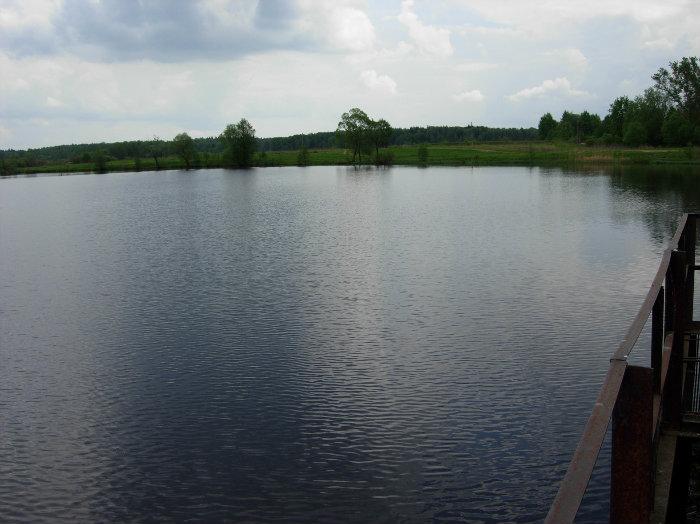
point(481, 154)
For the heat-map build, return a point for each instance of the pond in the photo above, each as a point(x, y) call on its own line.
point(315, 344)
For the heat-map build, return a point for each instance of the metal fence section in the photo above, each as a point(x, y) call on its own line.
point(639, 399)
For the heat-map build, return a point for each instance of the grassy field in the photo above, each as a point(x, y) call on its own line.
point(481, 154)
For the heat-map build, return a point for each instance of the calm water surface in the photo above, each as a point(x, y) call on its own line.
point(317, 344)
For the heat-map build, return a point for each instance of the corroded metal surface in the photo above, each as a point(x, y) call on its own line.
point(638, 415)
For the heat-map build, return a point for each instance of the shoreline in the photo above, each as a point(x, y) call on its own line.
point(516, 154)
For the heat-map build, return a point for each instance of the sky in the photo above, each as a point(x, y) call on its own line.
point(74, 71)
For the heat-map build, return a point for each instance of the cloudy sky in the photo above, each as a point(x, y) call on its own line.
point(103, 70)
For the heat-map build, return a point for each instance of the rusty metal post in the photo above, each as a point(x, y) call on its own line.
point(673, 390)
point(657, 338)
point(631, 495)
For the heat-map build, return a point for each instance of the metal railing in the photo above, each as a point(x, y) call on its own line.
point(691, 374)
point(638, 398)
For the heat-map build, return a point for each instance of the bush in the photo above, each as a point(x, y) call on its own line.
point(676, 130)
point(607, 139)
point(303, 157)
point(385, 158)
point(7, 167)
point(635, 135)
point(100, 159)
point(423, 155)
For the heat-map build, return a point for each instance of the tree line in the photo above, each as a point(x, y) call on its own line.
point(237, 141)
point(667, 113)
point(157, 148)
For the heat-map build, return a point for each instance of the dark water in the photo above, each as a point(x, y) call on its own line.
point(314, 344)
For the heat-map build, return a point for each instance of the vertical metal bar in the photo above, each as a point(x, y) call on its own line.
point(696, 384)
point(690, 236)
point(631, 494)
point(673, 391)
point(657, 338)
point(670, 299)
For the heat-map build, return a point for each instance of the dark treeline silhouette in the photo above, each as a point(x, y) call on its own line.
point(668, 113)
point(157, 148)
point(406, 136)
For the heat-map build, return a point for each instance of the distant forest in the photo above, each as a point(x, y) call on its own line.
point(78, 153)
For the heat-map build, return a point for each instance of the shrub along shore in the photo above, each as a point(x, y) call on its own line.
point(534, 153)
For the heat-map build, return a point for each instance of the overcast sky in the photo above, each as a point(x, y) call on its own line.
point(91, 71)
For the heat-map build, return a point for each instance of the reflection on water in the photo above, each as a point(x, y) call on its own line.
point(315, 344)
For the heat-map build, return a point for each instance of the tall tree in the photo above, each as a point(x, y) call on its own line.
point(353, 130)
point(547, 127)
point(681, 86)
point(239, 144)
point(589, 124)
point(649, 109)
point(380, 134)
point(184, 148)
point(614, 122)
point(155, 149)
point(568, 127)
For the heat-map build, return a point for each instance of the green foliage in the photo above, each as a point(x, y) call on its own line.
point(646, 119)
point(361, 134)
point(239, 144)
point(422, 155)
point(677, 130)
point(590, 125)
point(354, 130)
point(547, 127)
point(184, 148)
point(635, 134)
point(303, 157)
point(681, 86)
point(607, 139)
point(262, 159)
point(568, 127)
point(380, 134)
point(384, 158)
point(155, 150)
point(571, 127)
point(7, 166)
point(652, 109)
point(614, 122)
point(100, 161)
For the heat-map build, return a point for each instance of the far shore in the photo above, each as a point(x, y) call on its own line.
point(475, 154)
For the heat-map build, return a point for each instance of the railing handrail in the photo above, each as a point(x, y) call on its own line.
point(573, 486)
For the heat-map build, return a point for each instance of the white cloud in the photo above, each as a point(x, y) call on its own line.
point(35, 14)
point(351, 29)
point(558, 86)
point(572, 57)
point(473, 67)
point(662, 43)
point(469, 96)
point(430, 40)
point(675, 21)
point(382, 83)
point(53, 102)
point(341, 25)
point(114, 70)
